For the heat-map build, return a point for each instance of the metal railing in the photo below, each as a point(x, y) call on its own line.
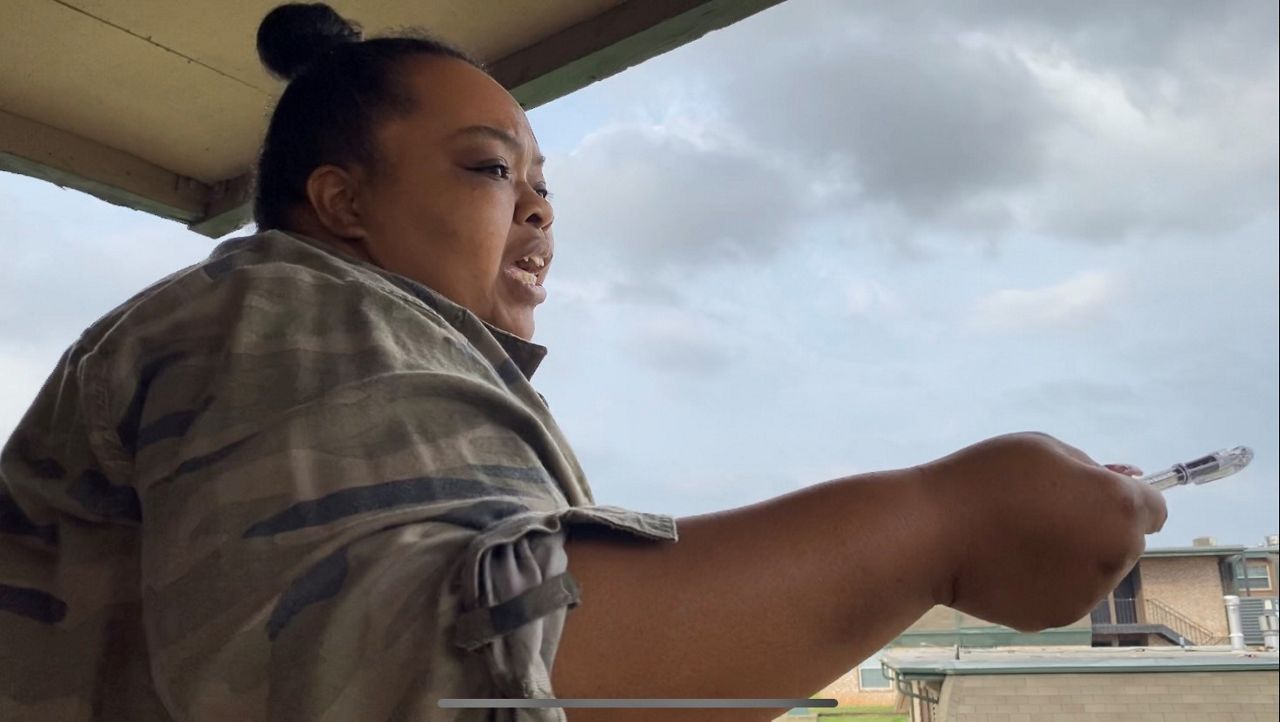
point(1115, 611)
point(1101, 614)
point(1160, 613)
point(1122, 610)
point(1126, 611)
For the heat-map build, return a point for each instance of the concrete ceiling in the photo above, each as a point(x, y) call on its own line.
point(160, 105)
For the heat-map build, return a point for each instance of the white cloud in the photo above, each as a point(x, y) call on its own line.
point(1173, 156)
point(1100, 123)
point(679, 341)
point(647, 198)
point(867, 298)
point(1074, 300)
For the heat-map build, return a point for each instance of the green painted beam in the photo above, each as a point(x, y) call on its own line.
point(228, 208)
point(606, 45)
point(112, 194)
point(70, 161)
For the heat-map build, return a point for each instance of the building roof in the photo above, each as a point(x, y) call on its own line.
point(1074, 660)
point(1202, 551)
point(160, 106)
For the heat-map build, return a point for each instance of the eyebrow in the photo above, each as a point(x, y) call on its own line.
point(501, 136)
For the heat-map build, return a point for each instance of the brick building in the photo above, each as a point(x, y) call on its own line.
point(1173, 595)
point(1255, 573)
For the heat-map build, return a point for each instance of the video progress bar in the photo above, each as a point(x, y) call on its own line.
point(638, 703)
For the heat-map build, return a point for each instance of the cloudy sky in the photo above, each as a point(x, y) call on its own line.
point(840, 237)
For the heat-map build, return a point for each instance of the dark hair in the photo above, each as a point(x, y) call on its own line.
point(340, 88)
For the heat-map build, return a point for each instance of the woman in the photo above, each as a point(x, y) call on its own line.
point(308, 478)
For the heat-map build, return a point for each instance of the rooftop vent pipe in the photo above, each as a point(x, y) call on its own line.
point(1233, 622)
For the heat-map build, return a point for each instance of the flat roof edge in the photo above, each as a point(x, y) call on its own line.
point(1143, 660)
point(40, 151)
point(612, 42)
point(1084, 669)
point(1215, 551)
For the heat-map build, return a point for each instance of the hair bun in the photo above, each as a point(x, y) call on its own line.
point(293, 35)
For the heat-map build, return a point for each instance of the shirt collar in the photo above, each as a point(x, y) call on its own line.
point(526, 355)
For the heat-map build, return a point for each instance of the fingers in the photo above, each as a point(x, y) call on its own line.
point(1061, 446)
point(1153, 505)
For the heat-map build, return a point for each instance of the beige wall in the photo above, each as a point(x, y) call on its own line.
point(1191, 585)
point(1244, 696)
point(942, 619)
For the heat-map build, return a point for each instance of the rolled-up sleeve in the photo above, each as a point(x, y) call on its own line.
point(516, 589)
point(346, 514)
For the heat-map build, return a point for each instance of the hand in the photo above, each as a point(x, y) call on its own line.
point(1039, 532)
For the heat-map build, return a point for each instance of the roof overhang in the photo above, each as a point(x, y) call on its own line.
point(1214, 551)
point(935, 663)
point(160, 106)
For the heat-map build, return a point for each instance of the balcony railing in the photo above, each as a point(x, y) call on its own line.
point(1160, 613)
point(1115, 611)
point(1101, 614)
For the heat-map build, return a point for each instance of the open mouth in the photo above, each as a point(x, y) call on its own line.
point(528, 270)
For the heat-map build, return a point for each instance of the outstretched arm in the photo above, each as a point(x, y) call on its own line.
point(780, 598)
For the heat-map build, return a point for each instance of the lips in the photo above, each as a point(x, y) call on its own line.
point(526, 286)
point(530, 266)
point(529, 269)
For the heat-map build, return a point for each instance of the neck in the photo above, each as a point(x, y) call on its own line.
point(310, 227)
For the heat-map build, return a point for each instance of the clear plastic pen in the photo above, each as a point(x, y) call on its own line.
point(1203, 470)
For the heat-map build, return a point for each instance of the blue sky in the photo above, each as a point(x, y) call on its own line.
point(838, 237)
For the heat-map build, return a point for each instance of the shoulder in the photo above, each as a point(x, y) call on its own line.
point(247, 275)
point(263, 285)
point(265, 326)
point(264, 317)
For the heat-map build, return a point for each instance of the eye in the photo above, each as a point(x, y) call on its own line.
point(500, 171)
point(497, 170)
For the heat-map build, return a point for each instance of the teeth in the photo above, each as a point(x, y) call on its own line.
point(535, 261)
point(525, 276)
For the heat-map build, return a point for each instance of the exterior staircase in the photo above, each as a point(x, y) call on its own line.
point(1126, 616)
point(1178, 625)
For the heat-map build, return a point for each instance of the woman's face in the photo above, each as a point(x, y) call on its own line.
point(459, 201)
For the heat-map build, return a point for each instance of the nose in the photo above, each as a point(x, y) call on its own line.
point(534, 209)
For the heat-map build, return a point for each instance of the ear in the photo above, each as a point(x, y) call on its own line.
point(333, 193)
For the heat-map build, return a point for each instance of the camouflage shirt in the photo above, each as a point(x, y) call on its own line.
point(282, 484)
